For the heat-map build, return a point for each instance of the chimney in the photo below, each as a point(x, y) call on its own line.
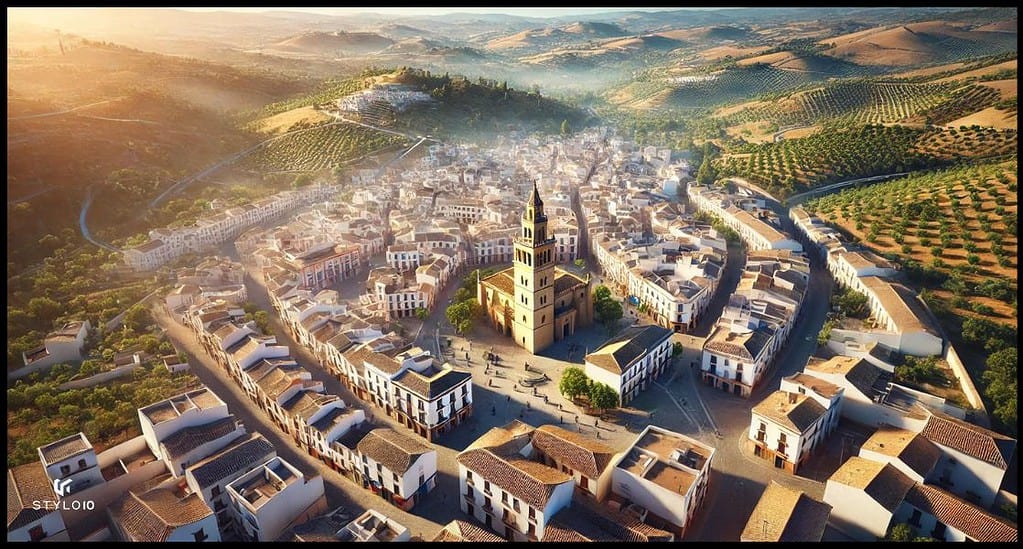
point(792, 398)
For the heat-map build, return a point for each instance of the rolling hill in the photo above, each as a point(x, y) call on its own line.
point(918, 43)
point(330, 43)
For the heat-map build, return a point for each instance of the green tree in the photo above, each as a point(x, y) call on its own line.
point(564, 127)
point(676, 349)
point(602, 397)
point(301, 180)
point(262, 321)
point(137, 318)
point(706, 175)
point(899, 532)
point(573, 382)
point(422, 314)
point(1000, 379)
point(581, 263)
point(461, 315)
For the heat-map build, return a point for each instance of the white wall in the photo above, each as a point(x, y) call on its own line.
point(855, 513)
point(53, 528)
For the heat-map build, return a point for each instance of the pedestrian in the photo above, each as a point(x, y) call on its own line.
point(577, 418)
point(595, 422)
point(561, 419)
point(507, 398)
point(528, 406)
point(545, 400)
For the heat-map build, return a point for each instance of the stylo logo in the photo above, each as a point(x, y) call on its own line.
point(62, 486)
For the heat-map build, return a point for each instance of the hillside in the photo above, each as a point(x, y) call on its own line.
point(75, 120)
point(534, 38)
point(955, 232)
point(594, 29)
point(918, 43)
point(333, 43)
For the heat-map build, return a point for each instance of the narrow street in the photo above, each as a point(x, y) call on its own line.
point(340, 491)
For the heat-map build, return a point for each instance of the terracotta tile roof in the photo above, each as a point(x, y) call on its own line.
point(565, 281)
point(155, 514)
point(783, 514)
point(498, 436)
point(580, 453)
point(527, 480)
point(723, 340)
point(460, 530)
point(190, 438)
point(918, 453)
point(382, 362)
point(502, 281)
point(616, 355)
point(392, 449)
point(27, 484)
point(969, 519)
point(881, 481)
point(587, 520)
point(972, 440)
point(901, 304)
point(64, 448)
point(306, 403)
point(791, 410)
point(233, 461)
point(860, 373)
point(823, 388)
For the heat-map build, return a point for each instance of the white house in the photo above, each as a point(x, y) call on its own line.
point(632, 360)
point(188, 427)
point(209, 477)
point(663, 476)
point(424, 395)
point(273, 497)
point(973, 460)
point(864, 496)
point(61, 345)
point(32, 513)
point(501, 487)
point(374, 526)
point(71, 458)
point(397, 467)
point(786, 428)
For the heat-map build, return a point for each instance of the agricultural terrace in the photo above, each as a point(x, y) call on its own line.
point(323, 147)
point(959, 225)
point(839, 153)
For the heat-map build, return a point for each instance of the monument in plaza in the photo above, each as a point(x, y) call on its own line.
point(534, 301)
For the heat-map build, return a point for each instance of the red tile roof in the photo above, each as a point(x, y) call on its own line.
point(969, 519)
point(972, 440)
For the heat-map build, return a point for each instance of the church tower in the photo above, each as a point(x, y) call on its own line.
point(533, 269)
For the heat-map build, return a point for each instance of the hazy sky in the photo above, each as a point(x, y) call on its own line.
point(525, 12)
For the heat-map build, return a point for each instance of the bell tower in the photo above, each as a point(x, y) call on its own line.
point(533, 322)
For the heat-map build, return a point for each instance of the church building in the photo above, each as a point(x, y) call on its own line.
point(534, 301)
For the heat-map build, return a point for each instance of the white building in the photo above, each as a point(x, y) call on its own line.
point(32, 513)
point(502, 488)
point(71, 459)
point(786, 427)
point(424, 395)
point(397, 467)
point(209, 477)
point(632, 360)
point(61, 345)
point(273, 497)
point(663, 476)
point(864, 496)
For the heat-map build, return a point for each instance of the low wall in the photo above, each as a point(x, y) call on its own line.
point(967, 386)
point(103, 377)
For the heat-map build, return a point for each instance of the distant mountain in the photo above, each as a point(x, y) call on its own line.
point(412, 45)
point(532, 38)
point(595, 29)
point(329, 43)
point(399, 31)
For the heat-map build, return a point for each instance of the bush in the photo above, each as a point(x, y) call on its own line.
point(920, 370)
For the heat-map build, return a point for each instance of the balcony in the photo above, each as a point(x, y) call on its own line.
point(509, 518)
point(488, 507)
point(761, 436)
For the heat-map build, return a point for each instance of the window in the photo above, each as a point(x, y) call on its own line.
point(36, 533)
point(504, 497)
point(486, 487)
point(81, 464)
point(939, 531)
point(215, 491)
point(200, 535)
point(65, 470)
point(914, 520)
point(532, 513)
